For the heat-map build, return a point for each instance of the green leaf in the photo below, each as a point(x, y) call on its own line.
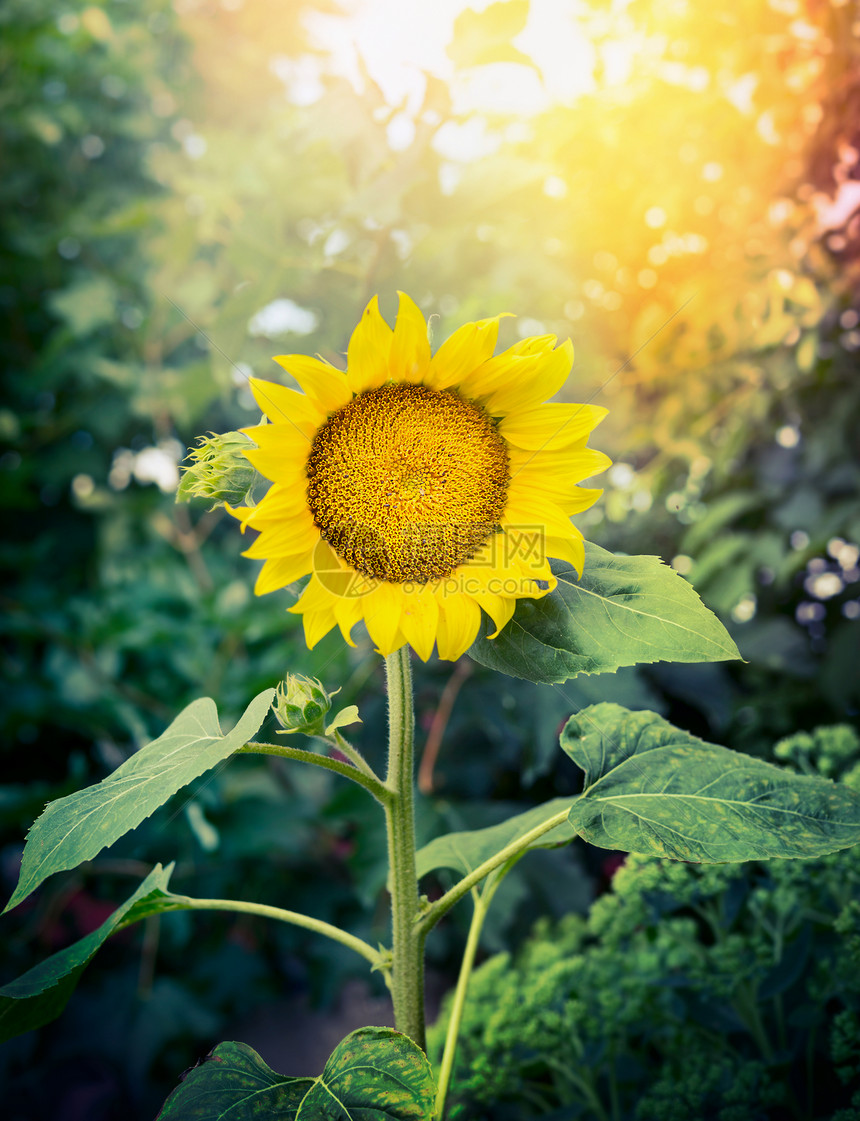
point(651, 788)
point(466, 851)
point(624, 610)
point(346, 716)
point(88, 304)
point(375, 1073)
point(40, 994)
point(78, 827)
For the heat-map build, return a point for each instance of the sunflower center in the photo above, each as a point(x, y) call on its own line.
point(406, 483)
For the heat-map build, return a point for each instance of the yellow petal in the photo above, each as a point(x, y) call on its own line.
point(382, 611)
point(570, 549)
point(243, 513)
point(290, 443)
point(578, 499)
point(273, 463)
point(534, 344)
point(543, 382)
point(280, 502)
point(348, 611)
point(286, 406)
point(317, 624)
point(526, 501)
point(514, 551)
point(336, 575)
point(499, 608)
point(419, 620)
point(557, 471)
point(519, 578)
point(369, 348)
point(314, 598)
point(469, 347)
point(457, 629)
point(325, 385)
point(534, 511)
point(278, 572)
point(550, 427)
point(286, 538)
point(497, 560)
point(497, 372)
point(410, 348)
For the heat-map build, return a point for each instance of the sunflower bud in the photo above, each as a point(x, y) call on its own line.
point(301, 704)
point(219, 472)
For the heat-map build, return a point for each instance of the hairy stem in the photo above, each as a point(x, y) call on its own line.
point(407, 976)
point(295, 918)
point(368, 781)
point(352, 753)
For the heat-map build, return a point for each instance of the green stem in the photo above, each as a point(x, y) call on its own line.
point(613, 1085)
point(748, 1008)
point(590, 1094)
point(368, 781)
point(456, 1015)
point(352, 753)
point(187, 903)
point(407, 976)
point(516, 848)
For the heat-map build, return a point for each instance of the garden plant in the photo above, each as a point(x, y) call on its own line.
point(429, 495)
point(539, 738)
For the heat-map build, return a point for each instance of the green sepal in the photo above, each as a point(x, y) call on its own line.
point(301, 704)
point(348, 715)
point(218, 471)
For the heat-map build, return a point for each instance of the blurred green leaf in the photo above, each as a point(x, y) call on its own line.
point(623, 611)
point(485, 37)
point(87, 305)
point(78, 827)
point(652, 788)
point(374, 1073)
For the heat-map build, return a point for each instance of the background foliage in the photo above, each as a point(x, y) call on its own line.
point(192, 187)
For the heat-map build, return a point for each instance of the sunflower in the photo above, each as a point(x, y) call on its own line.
point(417, 490)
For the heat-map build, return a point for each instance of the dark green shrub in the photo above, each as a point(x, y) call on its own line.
point(690, 991)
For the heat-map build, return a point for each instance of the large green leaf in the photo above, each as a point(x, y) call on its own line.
point(40, 994)
point(375, 1074)
point(466, 851)
point(623, 611)
point(78, 827)
point(651, 788)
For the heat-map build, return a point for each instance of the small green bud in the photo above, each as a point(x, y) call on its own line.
point(301, 705)
point(219, 471)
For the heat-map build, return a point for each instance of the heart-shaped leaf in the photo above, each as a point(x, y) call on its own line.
point(651, 788)
point(40, 994)
point(78, 827)
point(624, 610)
point(375, 1073)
